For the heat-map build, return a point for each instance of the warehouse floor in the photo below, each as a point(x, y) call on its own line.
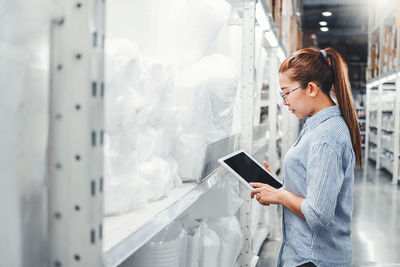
point(376, 223)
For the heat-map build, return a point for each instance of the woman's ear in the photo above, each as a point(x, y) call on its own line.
point(313, 88)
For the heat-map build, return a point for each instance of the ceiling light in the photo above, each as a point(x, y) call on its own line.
point(324, 29)
point(323, 23)
point(327, 13)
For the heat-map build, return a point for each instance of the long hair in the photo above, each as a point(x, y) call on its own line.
point(331, 72)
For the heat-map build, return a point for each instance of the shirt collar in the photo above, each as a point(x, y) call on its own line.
point(321, 116)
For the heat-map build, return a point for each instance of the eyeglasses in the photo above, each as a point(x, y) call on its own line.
point(284, 95)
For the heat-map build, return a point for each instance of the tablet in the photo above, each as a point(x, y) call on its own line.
point(248, 170)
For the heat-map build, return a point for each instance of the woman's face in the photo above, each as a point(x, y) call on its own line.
point(297, 100)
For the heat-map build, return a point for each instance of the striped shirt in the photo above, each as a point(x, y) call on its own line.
point(320, 168)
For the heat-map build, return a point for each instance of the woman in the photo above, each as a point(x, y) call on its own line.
point(319, 167)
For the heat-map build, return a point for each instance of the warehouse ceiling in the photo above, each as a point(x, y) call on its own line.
point(347, 30)
point(348, 21)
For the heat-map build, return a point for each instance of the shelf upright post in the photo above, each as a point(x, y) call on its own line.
point(273, 109)
point(380, 94)
point(367, 130)
point(76, 135)
point(367, 97)
point(396, 136)
point(247, 108)
point(379, 128)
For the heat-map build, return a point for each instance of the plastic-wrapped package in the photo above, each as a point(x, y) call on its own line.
point(140, 129)
point(155, 111)
point(192, 228)
point(201, 36)
point(230, 234)
point(24, 70)
point(175, 33)
point(206, 92)
point(189, 153)
point(210, 247)
point(222, 200)
point(208, 87)
point(166, 249)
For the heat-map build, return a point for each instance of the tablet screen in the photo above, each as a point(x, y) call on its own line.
point(250, 170)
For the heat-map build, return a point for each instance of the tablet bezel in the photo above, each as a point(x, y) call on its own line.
point(222, 162)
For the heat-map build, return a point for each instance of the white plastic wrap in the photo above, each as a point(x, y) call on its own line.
point(210, 247)
point(139, 129)
point(166, 249)
point(173, 31)
point(229, 232)
point(24, 68)
point(222, 200)
point(201, 35)
point(209, 88)
point(168, 95)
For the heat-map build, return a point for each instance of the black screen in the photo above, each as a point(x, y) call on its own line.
point(250, 171)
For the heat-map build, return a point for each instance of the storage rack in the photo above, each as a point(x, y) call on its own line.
point(383, 77)
point(77, 107)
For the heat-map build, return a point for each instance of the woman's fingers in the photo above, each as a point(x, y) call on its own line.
point(266, 165)
point(265, 203)
point(257, 185)
point(255, 192)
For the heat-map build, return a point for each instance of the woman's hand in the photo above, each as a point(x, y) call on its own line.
point(266, 194)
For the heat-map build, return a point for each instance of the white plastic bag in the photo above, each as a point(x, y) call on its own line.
point(140, 129)
point(192, 228)
point(206, 91)
point(210, 247)
point(199, 35)
point(231, 237)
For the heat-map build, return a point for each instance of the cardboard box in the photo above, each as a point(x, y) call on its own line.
point(398, 16)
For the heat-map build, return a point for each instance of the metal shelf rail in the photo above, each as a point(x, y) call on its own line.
point(124, 234)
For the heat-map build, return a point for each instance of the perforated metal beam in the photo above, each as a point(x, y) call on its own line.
point(248, 84)
point(76, 135)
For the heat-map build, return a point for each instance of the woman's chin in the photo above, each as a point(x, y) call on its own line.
point(299, 116)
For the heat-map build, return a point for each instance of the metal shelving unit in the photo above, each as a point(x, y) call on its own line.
point(385, 152)
point(124, 235)
point(78, 233)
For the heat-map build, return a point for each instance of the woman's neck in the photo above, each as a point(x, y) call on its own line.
point(321, 104)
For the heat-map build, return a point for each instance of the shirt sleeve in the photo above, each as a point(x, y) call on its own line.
point(324, 180)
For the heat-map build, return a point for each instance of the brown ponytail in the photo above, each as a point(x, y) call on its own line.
point(307, 65)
